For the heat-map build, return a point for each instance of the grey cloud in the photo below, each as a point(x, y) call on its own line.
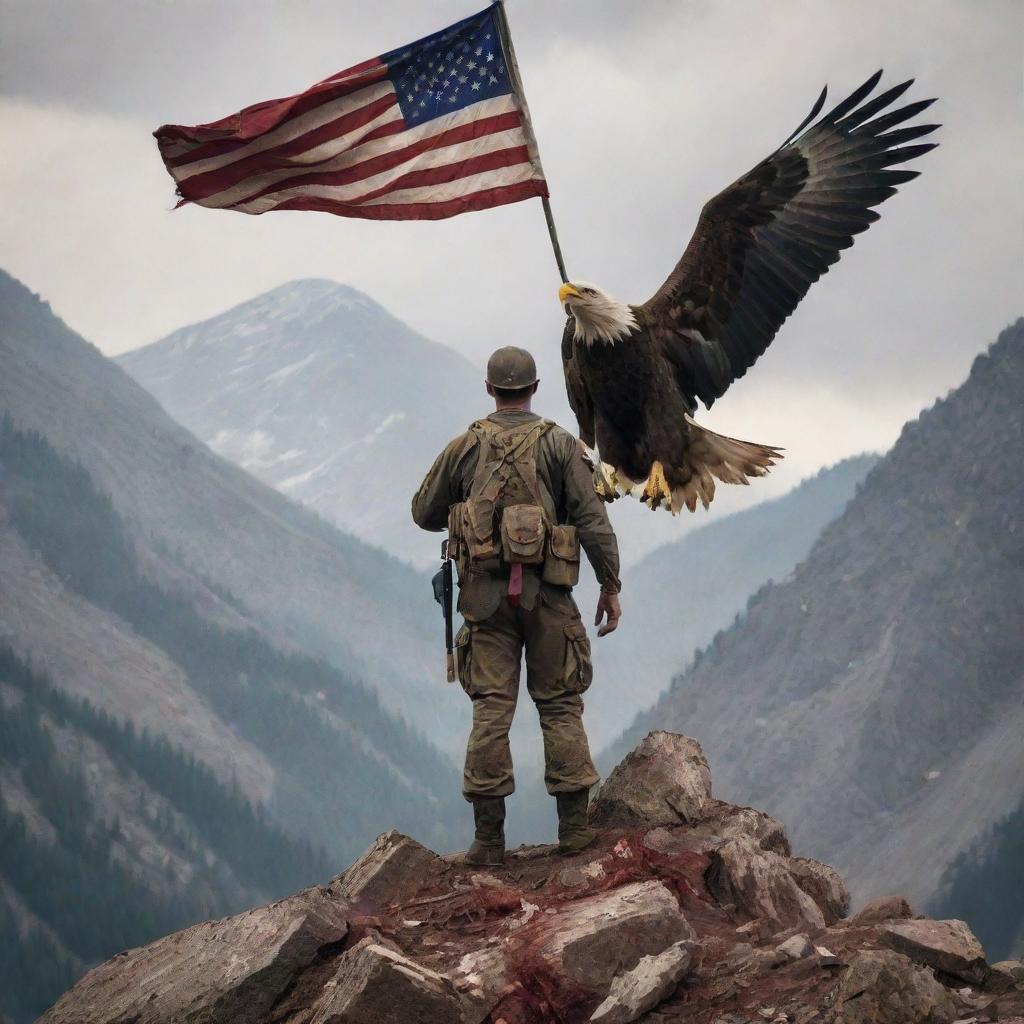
point(643, 111)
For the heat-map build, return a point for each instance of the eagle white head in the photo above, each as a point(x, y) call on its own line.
point(599, 317)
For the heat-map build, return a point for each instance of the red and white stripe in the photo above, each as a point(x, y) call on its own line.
point(343, 147)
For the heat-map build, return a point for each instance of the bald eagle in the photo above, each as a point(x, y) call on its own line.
point(634, 374)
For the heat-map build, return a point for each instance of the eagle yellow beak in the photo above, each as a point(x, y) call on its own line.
point(565, 291)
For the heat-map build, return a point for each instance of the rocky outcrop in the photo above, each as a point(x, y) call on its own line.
point(643, 986)
point(230, 971)
point(394, 868)
point(884, 908)
point(664, 781)
point(703, 919)
point(881, 987)
point(760, 887)
point(376, 985)
point(948, 946)
point(822, 883)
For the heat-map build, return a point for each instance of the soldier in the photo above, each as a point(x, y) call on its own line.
point(518, 499)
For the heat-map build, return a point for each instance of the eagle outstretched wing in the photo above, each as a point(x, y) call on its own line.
point(761, 243)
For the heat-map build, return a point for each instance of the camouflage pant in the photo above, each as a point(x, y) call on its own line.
point(558, 671)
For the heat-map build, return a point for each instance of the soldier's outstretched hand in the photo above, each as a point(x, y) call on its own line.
point(607, 607)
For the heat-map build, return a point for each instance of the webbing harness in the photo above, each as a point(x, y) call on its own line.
point(506, 453)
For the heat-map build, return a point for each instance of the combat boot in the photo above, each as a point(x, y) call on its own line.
point(488, 849)
point(574, 832)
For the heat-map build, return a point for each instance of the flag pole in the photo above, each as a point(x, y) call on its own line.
point(531, 138)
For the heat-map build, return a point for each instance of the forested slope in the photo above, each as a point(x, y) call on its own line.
point(302, 580)
point(176, 741)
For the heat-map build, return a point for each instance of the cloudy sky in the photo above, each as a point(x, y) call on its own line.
point(642, 111)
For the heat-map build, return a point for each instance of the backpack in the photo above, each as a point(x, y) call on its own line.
point(509, 518)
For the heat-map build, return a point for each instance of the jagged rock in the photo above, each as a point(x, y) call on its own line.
point(796, 947)
point(885, 908)
point(595, 938)
point(1005, 975)
point(393, 869)
point(948, 946)
point(376, 985)
point(608, 936)
point(1015, 968)
point(766, 831)
point(579, 949)
point(664, 781)
point(823, 884)
point(229, 971)
point(759, 885)
point(883, 987)
point(480, 976)
point(641, 988)
point(826, 958)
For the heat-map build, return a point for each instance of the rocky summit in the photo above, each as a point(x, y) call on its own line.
point(686, 909)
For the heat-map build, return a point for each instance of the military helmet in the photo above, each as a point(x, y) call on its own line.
point(511, 368)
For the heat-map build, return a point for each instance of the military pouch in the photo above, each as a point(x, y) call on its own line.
point(458, 551)
point(579, 669)
point(478, 530)
point(523, 533)
point(464, 658)
point(471, 537)
point(562, 565)
point(456, 526)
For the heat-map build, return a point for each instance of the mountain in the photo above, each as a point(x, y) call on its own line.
point(681, 594)
point(188, 716)
point(319, 391)
point(875, 698)
point(685, 909)
point(312, 586)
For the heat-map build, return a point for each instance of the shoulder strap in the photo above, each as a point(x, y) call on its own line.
point(502, 447)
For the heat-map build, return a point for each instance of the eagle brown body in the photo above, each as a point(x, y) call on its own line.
point(634, 374)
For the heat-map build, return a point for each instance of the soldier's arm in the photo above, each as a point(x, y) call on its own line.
point(441, 488)
point(587, 513)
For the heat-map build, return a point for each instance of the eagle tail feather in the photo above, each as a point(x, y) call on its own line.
point(710, 455)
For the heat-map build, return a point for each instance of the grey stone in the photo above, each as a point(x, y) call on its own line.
point(580, 948)
point(883, 987)
point(948, 946)
point(229, 971)
point(1005, 976)
point(642, 987)
point(823, 884)
point(885, 908)
point(826, 958)
point(664, 781)
point(377, 985)
point(595, 938)
point(766, 831)
point(391, 871)
point(759, 885)
point(796, 947)
point(1015, 968)
point(480, 977)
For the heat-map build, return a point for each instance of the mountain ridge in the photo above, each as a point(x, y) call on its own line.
point(207, 515)
point(890, 660)
point(377, 401)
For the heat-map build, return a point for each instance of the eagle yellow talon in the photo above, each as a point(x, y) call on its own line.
point(656, 488)
point(606, 482)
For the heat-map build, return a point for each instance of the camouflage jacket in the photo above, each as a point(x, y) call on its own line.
point(559, 464)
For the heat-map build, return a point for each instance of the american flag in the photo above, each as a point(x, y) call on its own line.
point(431, 130)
